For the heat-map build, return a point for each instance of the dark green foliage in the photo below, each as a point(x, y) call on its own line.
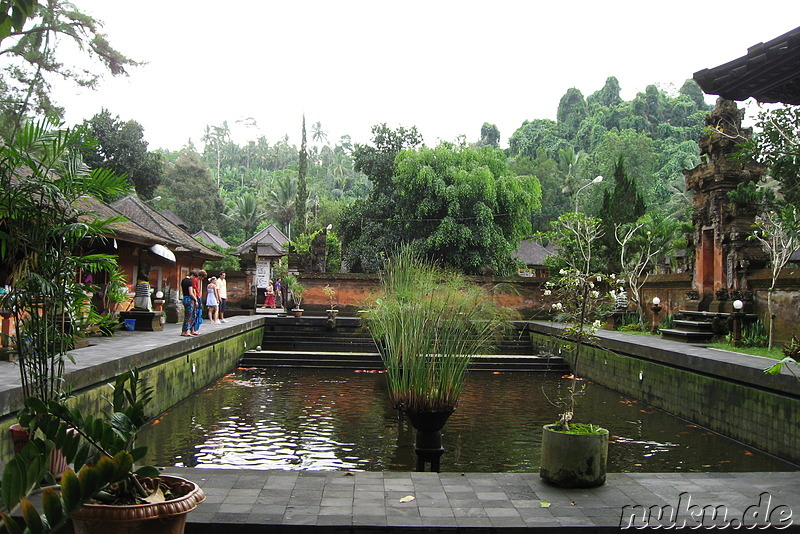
point(377, 161)
point(621, 205)
point(750, 199)
point(101, 448)
point(120, 146)
point(572, 111)
point(778, 146)
point(490, 135)
point(190, 192)
point(536, 135)
point(456, 204)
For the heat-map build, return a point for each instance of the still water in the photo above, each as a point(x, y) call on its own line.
point(326, 419)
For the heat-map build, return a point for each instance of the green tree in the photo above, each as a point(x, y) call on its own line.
point(490, 135)
point(572, 110)
point(621, 205)
point(642, 245)
point(281, 202)
point(554, 201)
point(377, 161)
point(535, 135)
point(778, 146)
point(247, 212)
point(302, 189)
point(456, 204)
point(317, 133)
point(191, 193)
point(120, 146)
point(36, 54)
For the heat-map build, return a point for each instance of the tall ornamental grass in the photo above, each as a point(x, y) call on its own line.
point(427, 324)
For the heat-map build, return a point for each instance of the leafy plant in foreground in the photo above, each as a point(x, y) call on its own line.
point(101, 448)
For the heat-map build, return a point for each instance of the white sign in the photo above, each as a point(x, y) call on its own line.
point(262, 273)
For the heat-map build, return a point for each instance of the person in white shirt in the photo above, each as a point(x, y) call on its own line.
point(222, 289)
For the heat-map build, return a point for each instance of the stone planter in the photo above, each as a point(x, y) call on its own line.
point(297, 312)
point(573, 460)
point(168, 517)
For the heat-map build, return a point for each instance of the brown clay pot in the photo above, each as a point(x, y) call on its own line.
point(167, 517)
point(297, 312)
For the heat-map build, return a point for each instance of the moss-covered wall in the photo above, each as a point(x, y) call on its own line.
point(766, 419)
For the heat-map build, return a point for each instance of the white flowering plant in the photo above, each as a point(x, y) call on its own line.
point(582, 301)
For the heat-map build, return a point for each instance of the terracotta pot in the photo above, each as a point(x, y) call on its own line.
point(297, 312)
point(573, 460)
point(167, 517)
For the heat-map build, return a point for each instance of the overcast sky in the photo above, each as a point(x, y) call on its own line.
point(443, 66)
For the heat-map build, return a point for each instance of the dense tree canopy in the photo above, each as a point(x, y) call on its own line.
point(457, 204)
point(190, 192)
point(120, 146)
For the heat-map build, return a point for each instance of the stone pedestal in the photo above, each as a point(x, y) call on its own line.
point(146, 321)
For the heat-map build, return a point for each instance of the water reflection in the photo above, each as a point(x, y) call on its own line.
point(320, 419)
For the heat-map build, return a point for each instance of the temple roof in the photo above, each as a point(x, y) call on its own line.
point(268, 242)
point(770, 72)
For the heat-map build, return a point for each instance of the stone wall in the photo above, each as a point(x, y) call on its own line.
point(733, 398)
point(353, 291)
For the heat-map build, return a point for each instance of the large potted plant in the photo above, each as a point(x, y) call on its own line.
point(574, 454)
point(427, 324)
point(107, 494)
point(296, 289)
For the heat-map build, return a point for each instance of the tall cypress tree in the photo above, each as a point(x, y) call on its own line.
point(302, 189)
point(621, 205)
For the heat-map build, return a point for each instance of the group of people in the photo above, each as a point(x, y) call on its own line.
point(215, 299)
point(274, 295)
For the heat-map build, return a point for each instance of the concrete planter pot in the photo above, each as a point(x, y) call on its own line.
point(573, 460)
point(168, 517)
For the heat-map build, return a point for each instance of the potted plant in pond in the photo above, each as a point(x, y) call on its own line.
point(107, 494)
point(574, 454)
point(427, 323)
point(296, 289)
point(47, 222)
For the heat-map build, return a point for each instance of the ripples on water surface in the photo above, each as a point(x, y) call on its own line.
point(321, 419)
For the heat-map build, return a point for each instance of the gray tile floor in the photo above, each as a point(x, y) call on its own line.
point(344, 501)
point(449, 501)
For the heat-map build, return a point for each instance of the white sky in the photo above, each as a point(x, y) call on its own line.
point(443, 66)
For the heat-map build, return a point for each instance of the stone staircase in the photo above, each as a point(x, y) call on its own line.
point(309, 342)
point(697, 326)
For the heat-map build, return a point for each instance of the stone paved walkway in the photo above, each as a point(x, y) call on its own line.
point(362, 501)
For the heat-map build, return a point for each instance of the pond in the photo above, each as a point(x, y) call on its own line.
point(338, 419)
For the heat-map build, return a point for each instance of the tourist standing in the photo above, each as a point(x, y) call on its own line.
point(212, 300)
point(189, 304)
point(270, 300)
point(198, 287)
point(222, 289)
point(278, 294)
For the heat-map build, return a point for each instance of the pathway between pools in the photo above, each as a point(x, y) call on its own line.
point(346, 501)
